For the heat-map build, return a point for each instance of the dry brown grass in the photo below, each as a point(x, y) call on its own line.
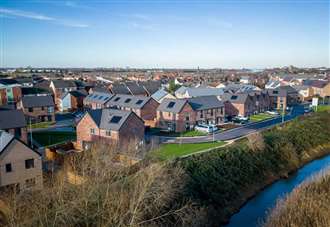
point(109, 195)
point(307, 206)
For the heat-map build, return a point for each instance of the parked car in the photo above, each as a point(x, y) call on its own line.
point(272, 112)
point(206, 128)
point(240, 120)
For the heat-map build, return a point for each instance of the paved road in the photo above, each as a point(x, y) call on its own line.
point(237, 132)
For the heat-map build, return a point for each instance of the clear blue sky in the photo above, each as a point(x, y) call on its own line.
point(104, 33)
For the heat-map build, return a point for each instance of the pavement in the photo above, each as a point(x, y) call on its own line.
point(236, 132)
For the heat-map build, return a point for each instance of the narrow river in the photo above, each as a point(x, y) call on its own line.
point(255, 210)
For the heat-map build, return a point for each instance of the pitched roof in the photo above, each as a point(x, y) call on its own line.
point(120, 89)
point(5, 139)
point(135, 88)
point(98, 97)
point(109, 119)
point(12, 119)
point(158, 95)
point(205, 102)
point(100, 89)
point(151, 86)
point(7, 81)
point(235, 98)
point(172, 105)
point(316, 83)
point(129, 101)
point(198, 91)
point(78, 93)
point(64, 83)
point(37, 101)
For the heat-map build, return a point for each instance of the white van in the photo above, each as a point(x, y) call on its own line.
point(206, 128)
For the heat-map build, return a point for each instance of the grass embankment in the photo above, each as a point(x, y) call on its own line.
point(260, 117)
point(171, 151)
point(53, 137)
point(306, 205)
point(221, 181)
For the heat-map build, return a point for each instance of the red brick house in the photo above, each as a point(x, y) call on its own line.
point(246, 104)
point(109, 125)
point(37, 108)
point(59, 87)
point(179, 115)
point(10, 91)
point(283, 96)
point(145, 107)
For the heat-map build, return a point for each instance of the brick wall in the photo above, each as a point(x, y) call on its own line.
point(16, 154)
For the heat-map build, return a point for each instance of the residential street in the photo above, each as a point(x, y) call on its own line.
point(237, 132)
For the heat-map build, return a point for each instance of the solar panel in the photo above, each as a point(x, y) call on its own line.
point(139, 102)
point(115, 119)
point(171, 104)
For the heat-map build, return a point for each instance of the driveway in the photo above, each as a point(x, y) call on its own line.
point(237, 132)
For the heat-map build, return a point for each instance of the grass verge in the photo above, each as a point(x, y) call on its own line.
point(260, 117)
point(171, 151)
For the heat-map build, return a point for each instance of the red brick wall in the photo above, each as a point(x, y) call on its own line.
point(83, 130)
point(179, 119)
point(148, 112)
point(3, 97)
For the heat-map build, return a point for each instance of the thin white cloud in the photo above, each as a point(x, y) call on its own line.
point(146, 27)
point(25, 14)
point(41, 17)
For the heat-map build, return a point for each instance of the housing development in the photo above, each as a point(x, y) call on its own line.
point(164, 113)
point(51, 110)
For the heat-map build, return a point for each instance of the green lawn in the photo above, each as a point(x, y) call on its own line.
point(42, 125)
point(323, 108)
point(191, 133)
point(260, 117)
point(51, 138)
point(170, 151)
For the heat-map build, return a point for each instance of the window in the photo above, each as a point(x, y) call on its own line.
point(8, 168)
point(30, 109)
point(211, 112)
point(169, 114)
point(30, 182)
point(42, 108)
point(127, 100)
point(187, 118)
point(108, 133)
point(171, 104)
point(139, 102)
point(101, 97)
point(115, 119)
point(201, 114)
point(50, 109)
point(29, 163)
point(116, 99)
point(234, 97)
point(92, 131)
